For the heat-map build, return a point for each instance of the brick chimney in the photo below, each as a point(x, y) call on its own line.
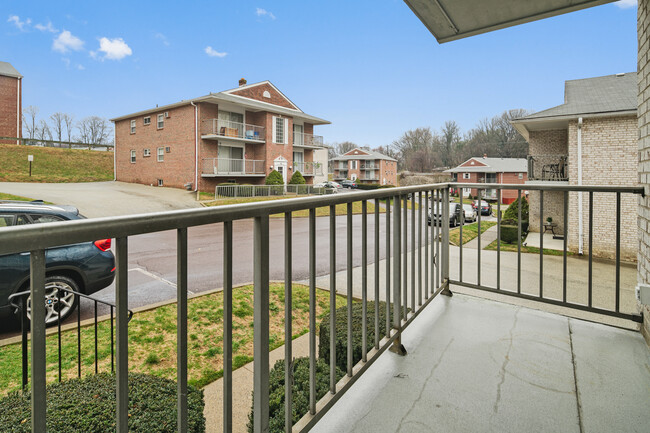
point(242, 82)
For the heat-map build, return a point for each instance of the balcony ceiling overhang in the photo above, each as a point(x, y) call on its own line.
point(525, 126)
point(449, 20)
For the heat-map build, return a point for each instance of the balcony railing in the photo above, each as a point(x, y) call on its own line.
point(308, 168)
point(412, 266)
point(369, 166)
point(548, 167)
point(228, 167)
point(340, 174)
point(227, 128)
point(302, 139)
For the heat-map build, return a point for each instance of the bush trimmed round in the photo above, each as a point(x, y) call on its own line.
point(274, 178)
point(300, 391)
point(297, 179)
point(88, 405)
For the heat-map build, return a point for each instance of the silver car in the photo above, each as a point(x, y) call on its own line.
point(470, 212)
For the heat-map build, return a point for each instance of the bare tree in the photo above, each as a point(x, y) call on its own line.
point(94, 130)
point(418, 150)
point(57, 126)
point(449, 142)
point(337, 149)
point(43, 131)
point(29, 120)
point(68, 120)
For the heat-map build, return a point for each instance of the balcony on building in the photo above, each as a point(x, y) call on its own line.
point(219, 129)
point(548, 168)
point(307, 141)
point(217, 167)
point(308, 168)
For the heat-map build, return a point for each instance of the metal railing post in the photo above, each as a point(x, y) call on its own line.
point(37, 289)
point(397, 346)
point(227, 326)
point(181, 329)
point(444, 248)
point(261, 324)
point(122, 347)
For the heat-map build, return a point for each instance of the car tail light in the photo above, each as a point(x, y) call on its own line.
point(103, 244)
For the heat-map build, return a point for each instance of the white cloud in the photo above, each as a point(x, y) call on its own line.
point(263, 12)
point(625, 4)
point(66, 41)
point(113, 49)
point(20, 24)
point(46, 28)
point(214, 53)
point(162, 38)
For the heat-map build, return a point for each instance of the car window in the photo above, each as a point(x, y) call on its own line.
point(6, 220)
point(22, 220)
point(45, 218)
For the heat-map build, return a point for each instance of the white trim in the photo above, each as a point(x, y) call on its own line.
point(158, 121)
point(158, 155)
point(248, 86)
point(133, 156)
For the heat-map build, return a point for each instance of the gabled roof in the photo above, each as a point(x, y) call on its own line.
point(9, 71)
point(266, 82)
point(491, 165)
point(363, 154)
point(449, 20)
point(610, 95)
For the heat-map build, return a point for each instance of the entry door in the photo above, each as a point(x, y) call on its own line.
point(281, 167)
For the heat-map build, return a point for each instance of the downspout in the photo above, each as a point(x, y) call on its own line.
point(18, 113)
point(114, 154)
point(580, 224)
point(196, 148)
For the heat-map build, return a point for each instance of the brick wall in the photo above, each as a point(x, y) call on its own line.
point(177, 134)
point(10, 109)
point(549, 142)
point(257, 93)
point(609, 157)
point(643, 26)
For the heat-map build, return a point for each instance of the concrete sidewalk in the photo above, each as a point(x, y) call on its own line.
point(488, 236)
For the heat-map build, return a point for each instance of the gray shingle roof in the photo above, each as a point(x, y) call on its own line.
point(9, 71)
point(371, 155)
point(494, 165)
point(608, 94)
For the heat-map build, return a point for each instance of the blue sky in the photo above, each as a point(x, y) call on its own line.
point(370, 67)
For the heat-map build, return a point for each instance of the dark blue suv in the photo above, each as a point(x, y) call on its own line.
point(85, 268)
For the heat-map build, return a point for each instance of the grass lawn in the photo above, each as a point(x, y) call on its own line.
point(54, 164)
point(470, 231)
point(152, 338)
point(525, 249)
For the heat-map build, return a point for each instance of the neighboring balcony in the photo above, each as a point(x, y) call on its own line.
point(340, 174)
point(369, 176)
point(301, 139)
point(214, 129)
point(552, 168)
point(308, 168)
point(215, 167)
point(369, 166)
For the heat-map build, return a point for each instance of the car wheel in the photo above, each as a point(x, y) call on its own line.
point(68, 300)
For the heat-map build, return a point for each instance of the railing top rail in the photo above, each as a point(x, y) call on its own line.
point(46, 235)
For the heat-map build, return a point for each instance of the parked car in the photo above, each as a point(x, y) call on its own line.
point(435, 214)
point(85, 267)
point(470, 212)
point(329, 185)
point(349, 184)
point(486, 208)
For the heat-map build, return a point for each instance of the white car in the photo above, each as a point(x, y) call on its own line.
point(333, 186)
point(470, 212)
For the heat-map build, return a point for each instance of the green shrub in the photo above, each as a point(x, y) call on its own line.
point(88, 405)
point(300, 391)
point(342, 332)
point(368, 186)
point(513, 213)
point(274, 178)
point(297, 179)
point(509, 231)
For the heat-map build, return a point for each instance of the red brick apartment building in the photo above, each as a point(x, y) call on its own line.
point(365, 166)
point(238, 135)
point(492, 170)
point(10, 103)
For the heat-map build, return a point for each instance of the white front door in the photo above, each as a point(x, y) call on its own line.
point(280, 165)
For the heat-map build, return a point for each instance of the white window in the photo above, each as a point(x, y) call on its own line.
point(353, 165)
point(161, 121)
point(133, 156)
point(465, 175)
point(160, 182)
point(298, 137)
point(521, 175)
point(161, 154)
point(279, 130)
point(147, 120)
point(147, 152)
point(133, 127)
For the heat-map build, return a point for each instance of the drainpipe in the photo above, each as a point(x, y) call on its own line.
point(18, 112)
point(196, 148)
point(580, 225)
point(114, 153)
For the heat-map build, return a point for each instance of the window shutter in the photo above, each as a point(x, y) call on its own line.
point(285, 135)
point(275, 138)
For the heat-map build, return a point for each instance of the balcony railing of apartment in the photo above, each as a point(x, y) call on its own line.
point(229, 129)
point(302, 139)
point(308, 168)
point(227, 167)
point(368, 177)
point(412, 268)
point(340, 174)
point(548, 167)
point(228, 191)
point(368, 165)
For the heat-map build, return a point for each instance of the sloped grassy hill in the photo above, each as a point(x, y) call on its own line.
point(54, 165)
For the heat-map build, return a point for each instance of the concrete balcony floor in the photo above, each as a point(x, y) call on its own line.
point(476, 365)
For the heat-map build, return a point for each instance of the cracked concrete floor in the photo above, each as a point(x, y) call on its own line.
point(476, 365)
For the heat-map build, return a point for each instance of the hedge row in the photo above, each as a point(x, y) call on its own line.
point(370, 186)
point(88, 405)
